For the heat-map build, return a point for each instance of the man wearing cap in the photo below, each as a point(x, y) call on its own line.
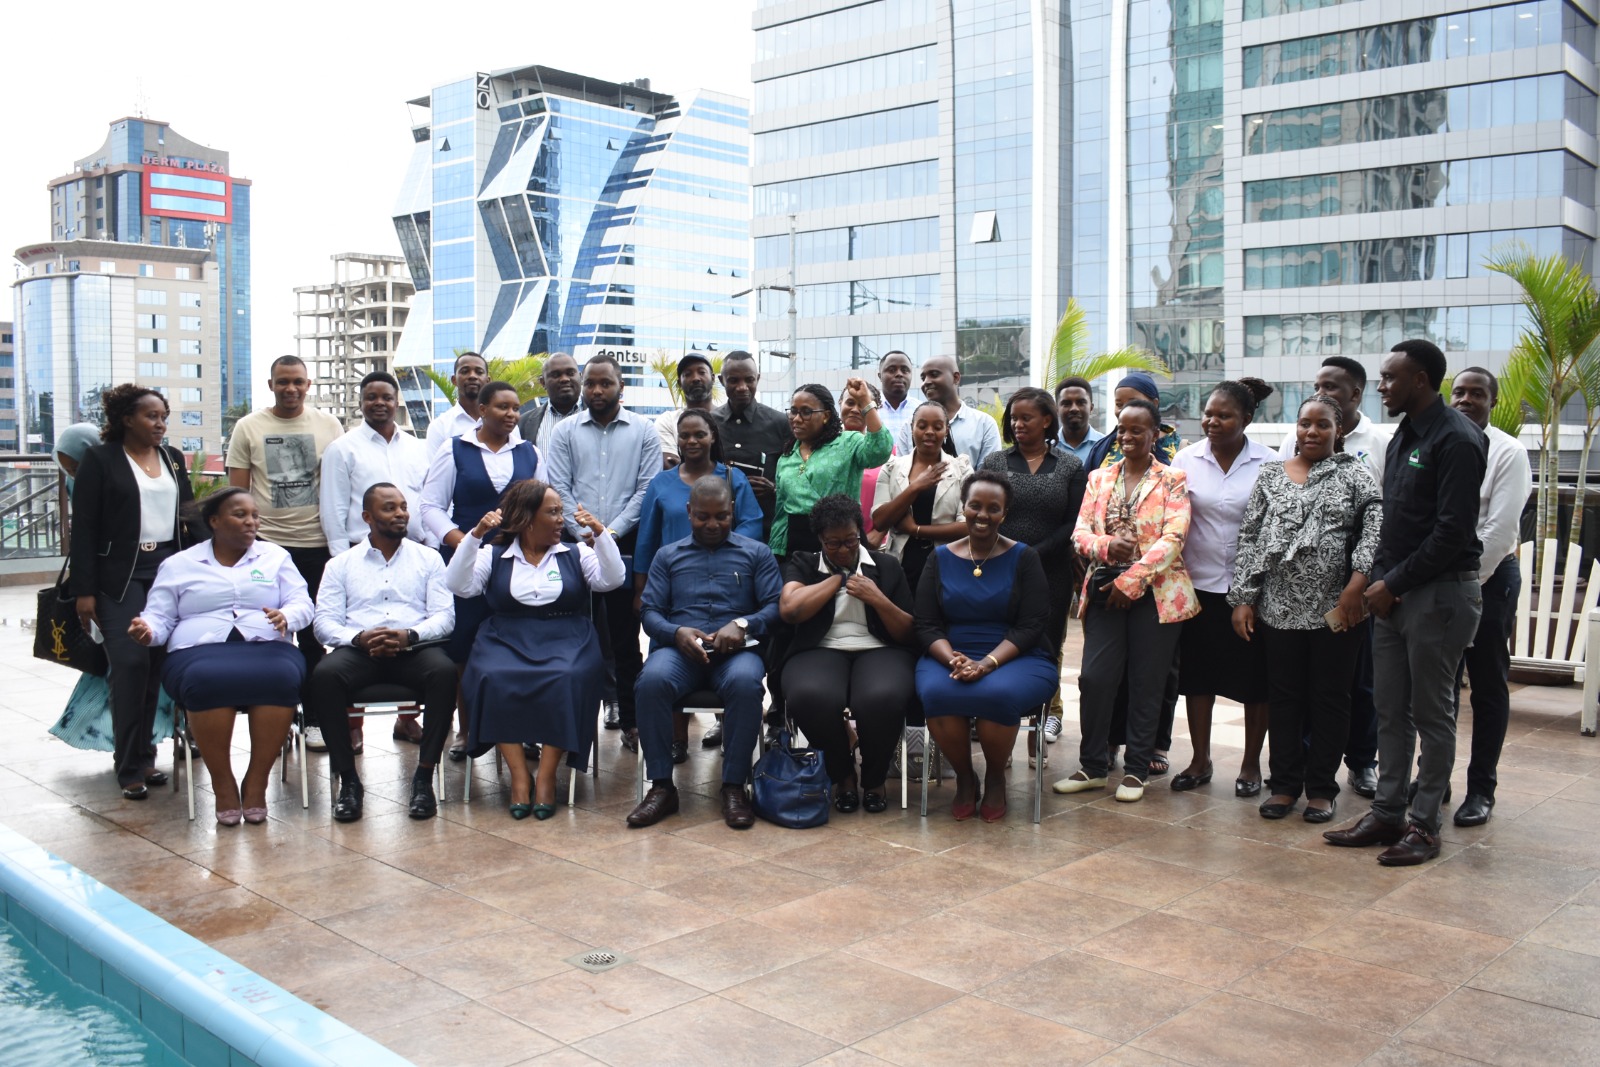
point(695, 382)
point(1137, 385)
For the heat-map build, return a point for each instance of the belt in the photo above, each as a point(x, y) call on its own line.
point(151, 546)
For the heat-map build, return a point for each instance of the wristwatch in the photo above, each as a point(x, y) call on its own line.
point(743, 625)
point(412, 638)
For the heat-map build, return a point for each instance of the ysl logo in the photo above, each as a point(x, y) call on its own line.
point(58, 647)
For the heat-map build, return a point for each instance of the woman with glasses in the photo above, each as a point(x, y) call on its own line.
point(918, 499)
point(851, 612)
point(824, 459)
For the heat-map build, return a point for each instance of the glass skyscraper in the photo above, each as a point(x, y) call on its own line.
point(546, 211)
point(1241, 186)
point(148, 184)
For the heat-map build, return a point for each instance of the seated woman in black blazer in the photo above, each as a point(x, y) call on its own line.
point(851, 612)
point(125, 522)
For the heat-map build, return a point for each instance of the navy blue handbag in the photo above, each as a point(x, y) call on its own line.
point(791, 786)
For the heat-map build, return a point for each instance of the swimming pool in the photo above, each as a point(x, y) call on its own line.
point(147, 992)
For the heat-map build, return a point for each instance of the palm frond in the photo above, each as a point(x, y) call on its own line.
point(1070, 357)
point(441, 382)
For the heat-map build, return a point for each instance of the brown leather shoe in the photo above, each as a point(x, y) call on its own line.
point(661, 801)
point(736, 811)
point(1368, 830)
point(1418, 846)
point(406, 728)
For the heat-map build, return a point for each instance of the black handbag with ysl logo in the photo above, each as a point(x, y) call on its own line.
point(58, 637)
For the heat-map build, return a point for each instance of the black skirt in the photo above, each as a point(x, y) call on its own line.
point(235, 674)
point(1215, 661)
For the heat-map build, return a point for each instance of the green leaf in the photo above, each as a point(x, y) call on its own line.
point(1069, 355)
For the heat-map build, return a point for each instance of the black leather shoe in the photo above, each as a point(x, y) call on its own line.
point(846, 801)
point(875, 803)
point(1321, 814)
point(613, 717)
point(712, 737)
point(1411, 793)
point(348, 807)
point(1269, 810)
point(1474, 811)
point(1417, 846)
point(1364, 783)
point(424, 805)
point(1184, 782)
point(630, 740)
point(1367, 830)
point(680, 752)
point(736, 810)
point(661, 801)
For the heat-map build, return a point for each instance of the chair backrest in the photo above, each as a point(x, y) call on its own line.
point(1553, 625)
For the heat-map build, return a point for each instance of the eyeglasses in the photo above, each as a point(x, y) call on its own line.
point(803, 413)
point(842, 544)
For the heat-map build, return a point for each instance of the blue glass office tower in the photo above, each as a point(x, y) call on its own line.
point(1242, 186)
point(546, 211)
point(148, 184)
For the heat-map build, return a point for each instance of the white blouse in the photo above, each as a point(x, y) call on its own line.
point(468, 573)
point(439, 487)
point(158, 501)
point(196, 600)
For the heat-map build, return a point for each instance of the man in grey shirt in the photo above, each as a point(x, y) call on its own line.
point(603, 458)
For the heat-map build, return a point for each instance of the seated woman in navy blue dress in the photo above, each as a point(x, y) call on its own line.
point(225, 609)
point(534, 673)
point(983, 620)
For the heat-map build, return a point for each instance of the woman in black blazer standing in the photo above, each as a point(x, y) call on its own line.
point(125, 521)
point(850, 609)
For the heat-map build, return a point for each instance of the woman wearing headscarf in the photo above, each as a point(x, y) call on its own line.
point(85, 722)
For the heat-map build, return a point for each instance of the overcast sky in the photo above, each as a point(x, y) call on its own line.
point(309, 100)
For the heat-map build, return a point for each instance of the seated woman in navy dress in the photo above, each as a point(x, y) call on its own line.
point(534, 673)
point(225, 609)
point(983, 620)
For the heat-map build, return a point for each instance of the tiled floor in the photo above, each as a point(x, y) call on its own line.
point(1181, 929)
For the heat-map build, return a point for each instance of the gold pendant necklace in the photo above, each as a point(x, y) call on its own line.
point(977, 568)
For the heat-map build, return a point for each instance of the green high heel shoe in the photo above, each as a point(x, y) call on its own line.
point(521, 811)
point(543, 811)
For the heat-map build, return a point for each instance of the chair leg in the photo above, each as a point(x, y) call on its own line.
point(188, 755)
point(466, 788)
point(905, 770)
point(572, 788)
point(1038, 769)
point(305, 774)
point(928, 766)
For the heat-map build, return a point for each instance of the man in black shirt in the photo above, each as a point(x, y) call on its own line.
point(1427, 600)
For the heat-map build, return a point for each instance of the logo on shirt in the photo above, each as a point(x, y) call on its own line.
point(1415, 459)
point(257, 576)
point(553, 574)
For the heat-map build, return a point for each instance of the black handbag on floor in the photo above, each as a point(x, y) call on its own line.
point(791, 786)
point(58, 637)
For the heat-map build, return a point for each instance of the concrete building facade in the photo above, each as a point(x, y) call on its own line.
point(8, 389)
point(350, 327)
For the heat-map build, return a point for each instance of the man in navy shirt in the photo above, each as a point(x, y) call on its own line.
point(1427, 599)
point(706, 596)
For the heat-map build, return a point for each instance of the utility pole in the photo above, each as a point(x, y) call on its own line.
point(794, 316)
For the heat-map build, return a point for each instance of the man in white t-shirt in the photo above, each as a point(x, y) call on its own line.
point(697, 384)
point(1344, 380)
point(276, 453)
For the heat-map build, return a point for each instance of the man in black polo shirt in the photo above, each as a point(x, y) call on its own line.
point(752, 433)
point(1426, 598)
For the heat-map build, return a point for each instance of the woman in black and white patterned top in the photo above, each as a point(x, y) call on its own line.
point(1305, 550)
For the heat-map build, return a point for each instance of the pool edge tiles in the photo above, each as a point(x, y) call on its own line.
point(201, 1003)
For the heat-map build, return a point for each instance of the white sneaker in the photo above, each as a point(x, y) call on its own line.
point(1130, 789)
point(1052, 729)
point(1079, 782)
point(314, 739)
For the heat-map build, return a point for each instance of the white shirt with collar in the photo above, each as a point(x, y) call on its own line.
point(1217, 500)
point(361, 590)
point(445, 428)
point(439, 488)
point(973, 432)
point(1506, 485)
point(196, 600)
point(897, 417)
point(849, 631)
point(469, 570)
point(1367, 442)
point(358, 460)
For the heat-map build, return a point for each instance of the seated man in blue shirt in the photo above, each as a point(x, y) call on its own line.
point(705, 597)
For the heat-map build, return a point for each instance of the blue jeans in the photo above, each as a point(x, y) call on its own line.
point(668, 677)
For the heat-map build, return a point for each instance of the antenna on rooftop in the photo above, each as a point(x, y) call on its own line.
point(141, 103)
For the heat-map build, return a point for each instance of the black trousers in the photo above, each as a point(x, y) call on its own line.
point(133, 674)
point(618, 627)
point(345, 671)
point(309, 562)
point(1169, 709)
point(876, 685)
point(1488, 663)
point(1309, 675)
point(1361, 745)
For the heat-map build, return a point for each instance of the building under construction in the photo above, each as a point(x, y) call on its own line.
point(350, 327)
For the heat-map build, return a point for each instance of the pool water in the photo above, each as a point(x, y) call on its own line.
point(47, 1020)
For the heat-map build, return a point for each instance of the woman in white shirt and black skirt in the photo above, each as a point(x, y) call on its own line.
point(125, 522)
point(226, 610)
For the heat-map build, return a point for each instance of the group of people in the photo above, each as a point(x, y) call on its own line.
point(871, 562)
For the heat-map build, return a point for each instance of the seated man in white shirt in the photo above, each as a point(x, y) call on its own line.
point(378, 600)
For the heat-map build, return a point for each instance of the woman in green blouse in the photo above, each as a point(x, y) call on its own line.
point(824, 459)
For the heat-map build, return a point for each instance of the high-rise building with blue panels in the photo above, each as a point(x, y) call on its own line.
point(546, 211)
point(1242, 186)
point(148, 184)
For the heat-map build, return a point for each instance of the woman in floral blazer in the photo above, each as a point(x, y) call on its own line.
point(1132, 526)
